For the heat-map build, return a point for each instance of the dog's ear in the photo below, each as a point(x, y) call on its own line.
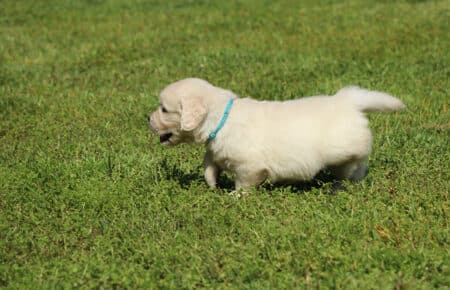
point(193, 112)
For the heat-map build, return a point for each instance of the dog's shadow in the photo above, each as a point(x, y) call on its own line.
point(324, 180)
point(174, 173)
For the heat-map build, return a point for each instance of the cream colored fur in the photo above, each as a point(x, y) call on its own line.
point(283, 141)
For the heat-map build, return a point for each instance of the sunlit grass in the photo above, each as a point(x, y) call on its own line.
point(88, 198)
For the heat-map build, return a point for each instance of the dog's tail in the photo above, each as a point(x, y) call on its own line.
point(370, 101)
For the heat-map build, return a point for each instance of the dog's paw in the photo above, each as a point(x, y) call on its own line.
point(238, 193)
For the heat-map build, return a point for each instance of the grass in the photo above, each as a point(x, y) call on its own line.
point(89, 199)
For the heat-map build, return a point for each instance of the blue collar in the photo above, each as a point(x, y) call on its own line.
point(213, 134)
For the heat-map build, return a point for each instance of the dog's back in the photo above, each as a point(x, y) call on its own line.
point(295, 139)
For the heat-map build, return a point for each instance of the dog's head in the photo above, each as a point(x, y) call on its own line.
point(183, 108)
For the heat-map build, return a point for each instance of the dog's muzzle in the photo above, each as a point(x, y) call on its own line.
point(150, 125)
point(163, 138)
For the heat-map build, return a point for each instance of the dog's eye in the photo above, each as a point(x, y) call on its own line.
point(163, 109)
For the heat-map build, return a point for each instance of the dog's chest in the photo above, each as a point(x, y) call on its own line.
point(225, 163)
point(223, 158)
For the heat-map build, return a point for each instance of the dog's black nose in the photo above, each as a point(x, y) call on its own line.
point(148, 118)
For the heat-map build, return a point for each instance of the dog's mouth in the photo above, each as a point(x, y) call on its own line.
point(165, 137)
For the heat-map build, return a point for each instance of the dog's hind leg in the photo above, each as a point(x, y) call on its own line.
point(353, 170)
point(360, 172)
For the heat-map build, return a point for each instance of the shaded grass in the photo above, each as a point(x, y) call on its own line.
point(88, 198)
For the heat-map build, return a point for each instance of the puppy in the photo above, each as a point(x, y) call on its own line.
point(282, 141)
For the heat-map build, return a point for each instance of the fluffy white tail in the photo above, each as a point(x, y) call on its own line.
point(370, 101)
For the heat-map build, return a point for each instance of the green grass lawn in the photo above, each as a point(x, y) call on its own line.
point(89, 198)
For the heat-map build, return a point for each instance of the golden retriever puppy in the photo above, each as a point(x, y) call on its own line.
point(284, 141)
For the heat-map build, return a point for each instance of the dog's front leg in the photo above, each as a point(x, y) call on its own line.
point(212, 171)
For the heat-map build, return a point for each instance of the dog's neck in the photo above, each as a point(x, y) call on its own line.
point(212, 120)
